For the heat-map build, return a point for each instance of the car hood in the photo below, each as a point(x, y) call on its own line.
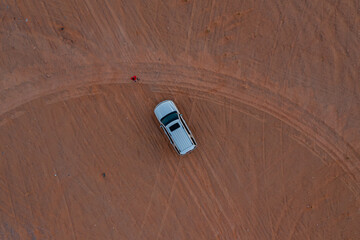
point(164, 108)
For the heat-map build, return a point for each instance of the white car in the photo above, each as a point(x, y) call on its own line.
point(173, 124)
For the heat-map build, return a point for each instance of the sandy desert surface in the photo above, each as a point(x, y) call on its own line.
point(270, 90)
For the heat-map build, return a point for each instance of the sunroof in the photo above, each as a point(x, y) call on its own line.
point(174, 127)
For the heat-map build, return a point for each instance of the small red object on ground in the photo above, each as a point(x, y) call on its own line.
point(134, 78)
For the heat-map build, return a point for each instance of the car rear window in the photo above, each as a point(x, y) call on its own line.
point(169, 118)
point(174, 127)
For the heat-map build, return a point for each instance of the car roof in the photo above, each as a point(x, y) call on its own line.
point(180, 137)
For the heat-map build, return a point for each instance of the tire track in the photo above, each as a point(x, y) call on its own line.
point(312, 132)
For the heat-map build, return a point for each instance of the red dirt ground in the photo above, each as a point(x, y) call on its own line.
point(270, 89)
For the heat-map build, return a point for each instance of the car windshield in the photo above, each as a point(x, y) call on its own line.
point(169, 118)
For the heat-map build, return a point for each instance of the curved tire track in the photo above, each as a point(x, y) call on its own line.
point(314, 133)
